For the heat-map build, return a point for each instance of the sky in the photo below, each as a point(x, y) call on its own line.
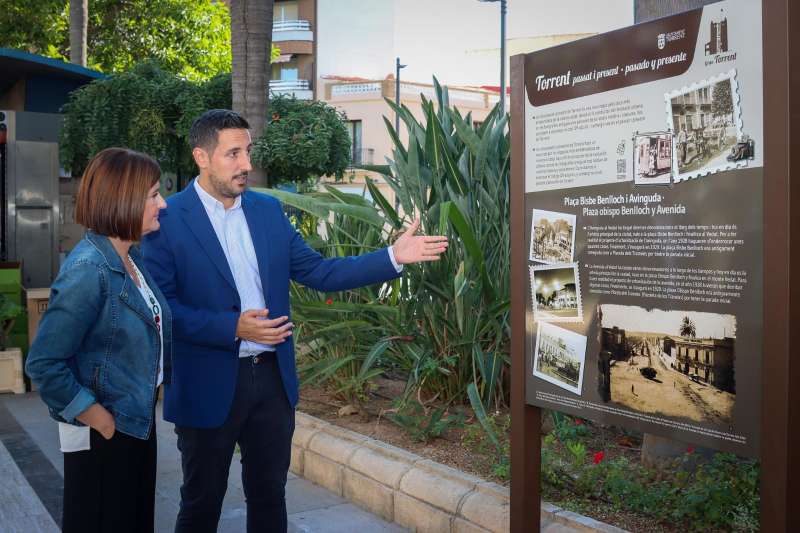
point(457, 40)
point(468, 32)
point(631, 318)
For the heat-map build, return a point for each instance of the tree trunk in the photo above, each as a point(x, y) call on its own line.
point(251, 42)
point(78, 26)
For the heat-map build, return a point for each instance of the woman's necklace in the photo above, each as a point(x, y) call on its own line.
point(152, 302)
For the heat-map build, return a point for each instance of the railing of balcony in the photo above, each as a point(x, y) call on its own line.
point(291, 25)
point(289, 85)
point(362, 156)
point(348, 89)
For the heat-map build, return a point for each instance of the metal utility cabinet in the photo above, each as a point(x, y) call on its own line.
point(29, 194)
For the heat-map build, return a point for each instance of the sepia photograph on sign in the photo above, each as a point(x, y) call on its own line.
point(706, 121)
point(559, 357)
point(652, 160)
point(552, 237)
point(676, 364)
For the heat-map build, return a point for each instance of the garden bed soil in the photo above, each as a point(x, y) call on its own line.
point(450, 449)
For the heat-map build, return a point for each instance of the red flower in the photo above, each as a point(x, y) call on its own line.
point(598, 457)
point(690, 450)
point(329, 301)
point(578, 422)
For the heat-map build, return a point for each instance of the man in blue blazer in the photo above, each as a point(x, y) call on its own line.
point(223, 258)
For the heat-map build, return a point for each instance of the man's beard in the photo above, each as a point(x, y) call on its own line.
point(224, 187)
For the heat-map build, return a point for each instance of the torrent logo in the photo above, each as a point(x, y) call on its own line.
point(718, 48)
point(718, 41)
point(662, 41)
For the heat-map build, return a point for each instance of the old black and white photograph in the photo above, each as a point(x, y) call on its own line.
point(556, 293)
point(706, 121)
point(677, 364)
point(552, 237)
point(559, 357)
point(652, 159)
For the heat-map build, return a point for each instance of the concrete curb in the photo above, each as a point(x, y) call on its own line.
point(407, 489)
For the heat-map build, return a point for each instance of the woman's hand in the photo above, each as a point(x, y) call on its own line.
point(99, 419)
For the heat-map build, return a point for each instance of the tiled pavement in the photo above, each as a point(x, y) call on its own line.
point(31, 470)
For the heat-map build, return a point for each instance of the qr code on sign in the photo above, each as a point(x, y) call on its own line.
point(622, 168)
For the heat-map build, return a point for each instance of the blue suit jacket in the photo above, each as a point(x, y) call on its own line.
point(186, 260)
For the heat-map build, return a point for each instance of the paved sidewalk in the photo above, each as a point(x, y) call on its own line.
point(31, 470)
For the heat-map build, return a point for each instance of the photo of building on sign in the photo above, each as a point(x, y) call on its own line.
point(559, 357)
point(556, 293)
point(552, 237)
point(677, 364)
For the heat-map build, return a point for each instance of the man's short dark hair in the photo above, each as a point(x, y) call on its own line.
point(204, 132)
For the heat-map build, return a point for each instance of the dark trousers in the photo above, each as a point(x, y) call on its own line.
point(261, 421)
point(111, 487)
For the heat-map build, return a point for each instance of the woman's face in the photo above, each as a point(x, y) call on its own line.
point(152, 206)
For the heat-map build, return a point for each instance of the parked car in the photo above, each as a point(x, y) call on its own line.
point(649, 372)
point(742, 150)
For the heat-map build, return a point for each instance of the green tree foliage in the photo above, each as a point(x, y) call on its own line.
point(302, 140)
point(190, 38)
point(35, 26)
point(146, 109)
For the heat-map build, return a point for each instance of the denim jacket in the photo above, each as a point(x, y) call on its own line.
point(97, 341)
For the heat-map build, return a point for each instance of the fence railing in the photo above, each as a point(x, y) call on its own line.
point(289, 85)
point(291, 25)
point(362, 156)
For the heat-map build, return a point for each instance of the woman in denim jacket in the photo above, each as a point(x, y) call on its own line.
point(103, 348)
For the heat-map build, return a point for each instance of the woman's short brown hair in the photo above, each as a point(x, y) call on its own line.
point(113, 191)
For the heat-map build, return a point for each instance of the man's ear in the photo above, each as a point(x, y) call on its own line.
point(201, 157)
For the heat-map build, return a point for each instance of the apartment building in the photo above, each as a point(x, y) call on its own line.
point(294, 26)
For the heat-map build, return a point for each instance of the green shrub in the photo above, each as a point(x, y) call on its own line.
point(425, 424)
point(718, 495)
point(302, 141)
point(145, 109)
point(498, 455)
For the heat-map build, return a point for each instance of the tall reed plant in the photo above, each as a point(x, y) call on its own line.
point(455, 175)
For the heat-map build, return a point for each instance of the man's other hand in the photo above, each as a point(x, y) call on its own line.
point(410, 248)
point(255, 325)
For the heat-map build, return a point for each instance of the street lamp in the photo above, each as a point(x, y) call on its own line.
point(398, 66)
point(503, 5)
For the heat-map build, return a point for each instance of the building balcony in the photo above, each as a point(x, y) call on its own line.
point(362, 156)
point(292, 30)
point(300, 89)
point(409, 91)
